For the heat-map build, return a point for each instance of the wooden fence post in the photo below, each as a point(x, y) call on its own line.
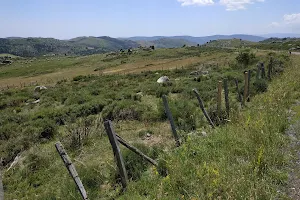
point(270, 68)
point(226, 92)
point(170, 117)
point(238, 91)
point(219, 98)
point(117, 152)
point(135, 150)
point(257, 71)
point(249, 80)
point(245, 88)
point(263, 72)
point(1, 188)
point(71, 168)
point(203, 108)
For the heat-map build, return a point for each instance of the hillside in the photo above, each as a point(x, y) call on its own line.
point(241, 158)
point(292, 44)
point(202, 40)
point(29, 47)
point(229, 43)
point(166, 43)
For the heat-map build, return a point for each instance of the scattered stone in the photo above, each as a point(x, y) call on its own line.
point(204, 134)
point(37, 101)
point(39, 88)
point(163, 79)
point(194, 73)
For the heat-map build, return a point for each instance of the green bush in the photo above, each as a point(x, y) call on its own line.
point(124, 110)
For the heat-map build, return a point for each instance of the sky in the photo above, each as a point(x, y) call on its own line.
point(65, 19)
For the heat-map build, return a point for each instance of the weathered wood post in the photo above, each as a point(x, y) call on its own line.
point(226, 92)
point(117, 152)
point(71, 168)
point(219, 98)
point(258, 72)
point(263, 72)
point(170, 117)
point(245, 87)
point(203, 108)
point(1, 188)
point(135, 150)
point(270, 68)
point(238, 91)
point(249, 81)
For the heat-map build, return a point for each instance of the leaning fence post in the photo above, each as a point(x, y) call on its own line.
point(219, 98)
point(226, 91)
point(245, 87)
point(238, 91)
point(71, 168)
point(203, 108)
point(170, 117)
point(117, 152)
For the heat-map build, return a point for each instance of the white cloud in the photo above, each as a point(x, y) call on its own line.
point(196, 2)
point(237, 4)
point(274, 24)
point(230, 4)
point(292, 18)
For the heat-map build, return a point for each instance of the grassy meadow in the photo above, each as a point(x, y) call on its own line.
point(245, 157)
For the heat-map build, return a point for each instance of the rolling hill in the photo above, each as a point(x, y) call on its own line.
point(29, 47)
point(201, 40)
point(166, 43)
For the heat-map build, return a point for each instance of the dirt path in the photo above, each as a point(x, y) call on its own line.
point(296, 53)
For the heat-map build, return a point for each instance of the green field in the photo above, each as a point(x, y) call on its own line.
point(243, 158)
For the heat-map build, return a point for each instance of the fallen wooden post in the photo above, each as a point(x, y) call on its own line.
point(226, 92)
point(245, 88)
point(170, 117)
point(203, 108)
point(117, 153)
point(71, 168)
point(238, 91)
point(135, 150)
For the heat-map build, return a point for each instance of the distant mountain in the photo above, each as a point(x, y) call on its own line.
point(78, 46)
point(201, 40)
point(281, 35)
point(166, 43)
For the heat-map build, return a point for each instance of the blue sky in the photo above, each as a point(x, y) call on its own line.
point(65, 19)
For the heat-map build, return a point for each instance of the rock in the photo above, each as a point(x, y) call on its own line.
point(39, 88)
point(204, 72)
point(37, 101)
point(194, 73)
point(204, 134)
point(163, 79)
point(148, 135)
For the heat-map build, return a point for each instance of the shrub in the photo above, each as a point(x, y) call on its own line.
point(124, 110)
point(245, 58)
